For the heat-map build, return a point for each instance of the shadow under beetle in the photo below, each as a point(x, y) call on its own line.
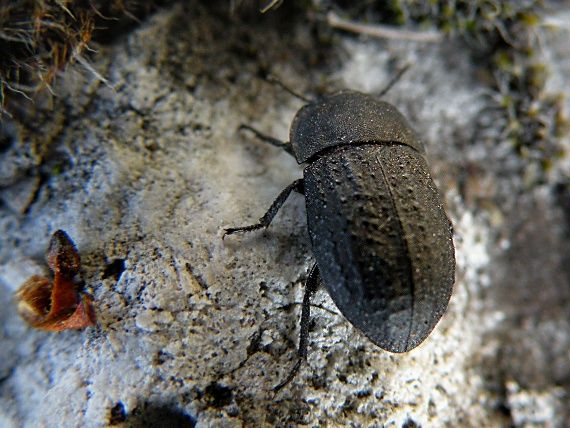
point(380, 236)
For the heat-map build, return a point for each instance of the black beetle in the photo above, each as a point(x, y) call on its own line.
point(380, 236)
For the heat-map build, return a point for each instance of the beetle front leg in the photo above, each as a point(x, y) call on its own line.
point(265, 221)
point(310, 287)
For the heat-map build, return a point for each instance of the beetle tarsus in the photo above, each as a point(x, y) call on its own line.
point(232, 230)
point(265, 221)
point(289, 377)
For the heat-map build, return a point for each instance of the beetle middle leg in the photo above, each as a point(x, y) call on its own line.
point(265, 221)
point(310, 287)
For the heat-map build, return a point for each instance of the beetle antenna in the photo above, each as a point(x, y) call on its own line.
point(272, 79)
point(273, 141)
point(394, 80)
point(272, 4)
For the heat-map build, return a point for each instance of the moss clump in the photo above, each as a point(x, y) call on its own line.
point(533, 120)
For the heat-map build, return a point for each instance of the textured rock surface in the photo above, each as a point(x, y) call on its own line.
point(143, 174)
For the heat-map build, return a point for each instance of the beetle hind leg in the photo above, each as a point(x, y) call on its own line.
point(265, 221)
point(311, 286)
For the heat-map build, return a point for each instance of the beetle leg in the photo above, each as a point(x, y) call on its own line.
point(265, 221)
point(310, 288)
point(266, 138)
